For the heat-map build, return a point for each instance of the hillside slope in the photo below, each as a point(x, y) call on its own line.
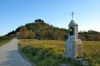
point(43, 30)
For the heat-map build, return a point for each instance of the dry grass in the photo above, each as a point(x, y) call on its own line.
point(92, 48)
point(57, 46)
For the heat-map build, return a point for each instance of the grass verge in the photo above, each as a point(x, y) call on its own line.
point(50, 52)
point(2, 42)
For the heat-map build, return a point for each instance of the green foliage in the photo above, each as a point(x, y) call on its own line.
point(70, 30)
point(90, 35)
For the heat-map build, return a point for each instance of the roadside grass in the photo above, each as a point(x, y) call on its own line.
point(92, 52)
point(2, 42)
point(50, 52)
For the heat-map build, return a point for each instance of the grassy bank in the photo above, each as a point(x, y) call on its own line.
point(50, 52)
point(2, 42)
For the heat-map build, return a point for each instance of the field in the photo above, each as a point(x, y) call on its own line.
point(2, 42)
point(50, 52)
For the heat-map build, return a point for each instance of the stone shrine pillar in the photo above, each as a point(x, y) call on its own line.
point(72, 41)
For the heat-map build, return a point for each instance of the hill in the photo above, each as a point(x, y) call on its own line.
point(42, 30)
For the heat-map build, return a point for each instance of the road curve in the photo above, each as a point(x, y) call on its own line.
point(9, 55)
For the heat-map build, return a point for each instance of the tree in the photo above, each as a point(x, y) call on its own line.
point(31, 34)
point(11, 35)
point(24, 32)
point(17, 34)
point(97, 37)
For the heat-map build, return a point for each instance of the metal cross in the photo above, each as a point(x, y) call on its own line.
point(72, 15)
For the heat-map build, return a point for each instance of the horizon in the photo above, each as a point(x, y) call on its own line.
point(15, 13)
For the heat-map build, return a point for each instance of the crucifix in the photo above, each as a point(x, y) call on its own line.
point(72, 15)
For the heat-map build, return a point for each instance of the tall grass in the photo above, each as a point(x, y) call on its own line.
point(51, 51)
point(57, 46)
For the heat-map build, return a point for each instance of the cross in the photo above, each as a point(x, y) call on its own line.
point(72, 15)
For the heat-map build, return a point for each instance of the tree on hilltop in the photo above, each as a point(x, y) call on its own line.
point(17, 34)
point(24, 32)
point(31, 34)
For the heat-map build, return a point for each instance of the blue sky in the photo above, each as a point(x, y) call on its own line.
point(14, 13)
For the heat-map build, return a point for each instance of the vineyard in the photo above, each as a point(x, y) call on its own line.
point(50, 52)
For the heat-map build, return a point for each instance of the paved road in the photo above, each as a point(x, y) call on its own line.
point(9, 55)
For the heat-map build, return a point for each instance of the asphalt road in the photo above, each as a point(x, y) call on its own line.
point(9, 55)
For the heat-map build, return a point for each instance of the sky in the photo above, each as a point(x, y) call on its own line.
point(15, 13)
